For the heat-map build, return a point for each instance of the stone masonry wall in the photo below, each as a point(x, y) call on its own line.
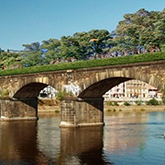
point(17, 110)
point(80, 113)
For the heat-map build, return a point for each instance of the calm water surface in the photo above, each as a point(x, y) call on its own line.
point(126, 139)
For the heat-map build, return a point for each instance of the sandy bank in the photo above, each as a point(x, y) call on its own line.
point(48, 109)
point(121, 108)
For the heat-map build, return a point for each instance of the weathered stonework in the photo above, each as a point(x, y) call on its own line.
point(12, 109)
point(77, 113)
point(93, 83)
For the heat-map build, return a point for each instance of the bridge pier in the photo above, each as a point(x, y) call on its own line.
point(85, 112)
point(18, 109)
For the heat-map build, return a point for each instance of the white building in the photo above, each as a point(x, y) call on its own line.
point(132, 90)
point(48, 92)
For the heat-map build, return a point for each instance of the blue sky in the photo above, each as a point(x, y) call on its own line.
point(27, 21)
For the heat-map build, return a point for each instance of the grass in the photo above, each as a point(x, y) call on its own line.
point(86, 64)
point(57, 111)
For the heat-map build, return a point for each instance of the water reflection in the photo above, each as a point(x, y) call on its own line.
point(135, 138)
point(85, 144)
point(18, 142)
point(125, 132)
point(126, 138)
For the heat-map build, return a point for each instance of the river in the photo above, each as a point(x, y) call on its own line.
point(126, 139)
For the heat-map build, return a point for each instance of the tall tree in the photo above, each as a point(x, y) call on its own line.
point(33, 55)
point(51, 49)
point(142, 28)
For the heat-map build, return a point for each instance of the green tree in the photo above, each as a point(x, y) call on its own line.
point(142, 28)
point(52, 49)
point(33, 55)
point(11, 60)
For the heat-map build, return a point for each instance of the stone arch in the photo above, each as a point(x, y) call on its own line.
point(30, 90)
point(97, 89)
point(33, 83)
point(94, 88)
point(24, 103)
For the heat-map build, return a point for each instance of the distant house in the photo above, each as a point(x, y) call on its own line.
point(131, 91)
point(48, 92)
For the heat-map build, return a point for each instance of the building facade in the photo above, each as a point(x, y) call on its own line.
point(131, 91)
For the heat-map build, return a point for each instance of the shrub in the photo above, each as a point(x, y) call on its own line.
point(116, 104)
point(57, 111)
point(153, 101)
point(127, 103)
point(4, 93)
point(60, 95)
point(109, 103)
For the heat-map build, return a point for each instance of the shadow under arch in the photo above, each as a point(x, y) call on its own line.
point(30, 90)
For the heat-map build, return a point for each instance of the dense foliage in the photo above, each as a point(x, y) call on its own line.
point(142, 29)
point(79, 46)
point(140, 32)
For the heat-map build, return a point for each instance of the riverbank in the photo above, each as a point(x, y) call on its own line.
point(120, 108)
point(48, 109)
point(135, 108)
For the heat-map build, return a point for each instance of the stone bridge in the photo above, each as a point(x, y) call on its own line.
point(19, 92)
